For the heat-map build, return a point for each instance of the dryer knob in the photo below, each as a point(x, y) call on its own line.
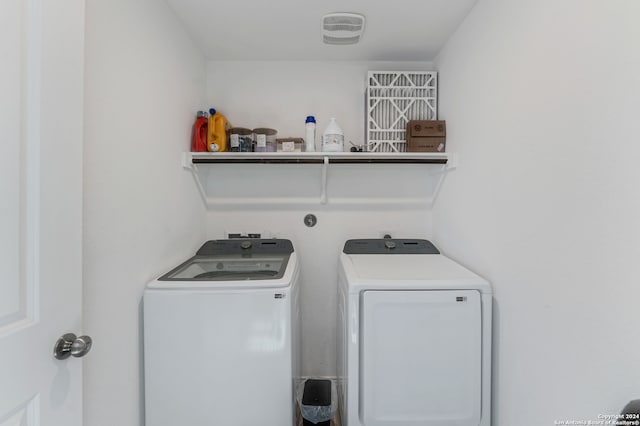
point(390, 245)
point(245, 244)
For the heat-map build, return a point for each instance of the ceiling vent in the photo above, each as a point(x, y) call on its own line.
point(342, 28)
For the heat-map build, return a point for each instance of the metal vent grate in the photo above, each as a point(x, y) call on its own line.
point(340, 40)
point(342, 28)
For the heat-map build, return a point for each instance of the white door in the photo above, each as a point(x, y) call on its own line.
point(41, 97)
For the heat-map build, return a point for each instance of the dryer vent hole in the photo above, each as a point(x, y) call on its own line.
point(461, 299)
point(310, 220)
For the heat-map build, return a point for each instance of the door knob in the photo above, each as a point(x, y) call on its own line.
point(69, 344)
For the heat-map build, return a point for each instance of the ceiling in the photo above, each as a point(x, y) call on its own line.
point(400, 30)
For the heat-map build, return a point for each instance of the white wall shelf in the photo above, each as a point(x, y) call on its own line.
point(317, 157)
point(231, 179)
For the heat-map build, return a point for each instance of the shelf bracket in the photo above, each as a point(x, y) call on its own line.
point(452, 162)
point(187, 164)
point(323, 183)
point(187, 161)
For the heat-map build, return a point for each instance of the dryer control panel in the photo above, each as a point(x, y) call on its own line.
point(389, 246)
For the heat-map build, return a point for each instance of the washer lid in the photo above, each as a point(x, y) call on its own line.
point(230, 268)
point(235, 260)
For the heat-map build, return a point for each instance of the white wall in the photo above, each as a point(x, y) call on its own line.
point(144, 81)
point(540, 99)
point(281, 94)
point(318, 250)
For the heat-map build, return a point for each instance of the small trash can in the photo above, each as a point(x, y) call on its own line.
point(316, 406)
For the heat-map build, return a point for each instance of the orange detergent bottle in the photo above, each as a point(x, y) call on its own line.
point(218, 125)
point(200, 134)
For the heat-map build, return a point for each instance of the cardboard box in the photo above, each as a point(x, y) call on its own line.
point(426, 136)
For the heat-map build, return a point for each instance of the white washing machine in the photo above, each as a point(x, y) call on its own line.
point(221, 337)
point(414, 337)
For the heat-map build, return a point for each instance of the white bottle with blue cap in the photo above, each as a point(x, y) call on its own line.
point(310, 134)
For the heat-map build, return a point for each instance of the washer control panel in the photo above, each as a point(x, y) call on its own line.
point(243, 246)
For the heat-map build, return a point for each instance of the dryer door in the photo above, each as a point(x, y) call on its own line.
point(421, 358)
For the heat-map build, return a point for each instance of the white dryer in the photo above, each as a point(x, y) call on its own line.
point(221, 337)
point(414, 337)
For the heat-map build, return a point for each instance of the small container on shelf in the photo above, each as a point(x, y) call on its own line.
point(241, 139)
point(426, 136)
point(265, 139)
point(310, 134)
point(200, 131)
point(289, 144)
point(217, 128)
point(333, 138)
